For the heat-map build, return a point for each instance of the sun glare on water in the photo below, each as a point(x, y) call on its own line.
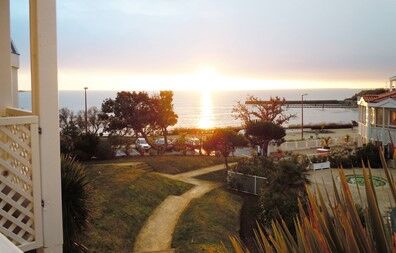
point(206, 78)
point(206, 117)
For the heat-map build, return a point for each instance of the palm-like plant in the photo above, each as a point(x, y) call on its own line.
point(326, 142)
point(75, 203)
point(332, 226)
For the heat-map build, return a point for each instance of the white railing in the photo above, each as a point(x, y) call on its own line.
point(20, 180)
point(377, 133)
point(245, 183)
point(310, 144)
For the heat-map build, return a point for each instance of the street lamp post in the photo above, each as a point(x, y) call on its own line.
point(302, 115)
point(86, 111)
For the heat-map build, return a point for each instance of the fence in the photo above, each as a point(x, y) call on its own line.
point(309, 144)
point(20, 180)
point(245, 183)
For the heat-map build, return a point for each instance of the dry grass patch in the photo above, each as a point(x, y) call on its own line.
point(124, 197)
point(208, 222)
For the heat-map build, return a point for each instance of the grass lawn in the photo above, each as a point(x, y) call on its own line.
point(217, 176)
point(174, 164)
point(123, 198)
point(208, 222)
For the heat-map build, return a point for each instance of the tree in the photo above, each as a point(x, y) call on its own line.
point(279, 198)
point(68, 123)
point(96, 122)
point(225, 141)
point(164, 115)
point(129, 112)
point(257, 110)
point(262, 132)
point(69, 130)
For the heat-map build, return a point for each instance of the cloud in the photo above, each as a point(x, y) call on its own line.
point(253, 39)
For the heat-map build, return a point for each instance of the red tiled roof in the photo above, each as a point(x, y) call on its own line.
point(380, 97)
point(369, 98)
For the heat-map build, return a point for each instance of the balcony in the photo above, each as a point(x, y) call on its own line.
point(20, 180)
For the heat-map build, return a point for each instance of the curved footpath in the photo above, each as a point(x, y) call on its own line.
point(157, 232)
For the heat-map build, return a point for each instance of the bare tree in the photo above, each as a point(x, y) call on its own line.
point(96, 122)
point(271, 111)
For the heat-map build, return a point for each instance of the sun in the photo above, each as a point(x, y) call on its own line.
point(207, 77)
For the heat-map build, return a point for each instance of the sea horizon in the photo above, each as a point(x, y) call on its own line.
point(214, 108)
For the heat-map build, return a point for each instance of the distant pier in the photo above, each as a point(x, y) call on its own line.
point(312, 103)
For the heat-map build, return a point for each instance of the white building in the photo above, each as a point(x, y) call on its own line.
point(377, 117)
point(30, 182)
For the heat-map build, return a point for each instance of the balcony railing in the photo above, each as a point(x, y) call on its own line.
point(311, 144)
point(20, 180)
point(378, 133)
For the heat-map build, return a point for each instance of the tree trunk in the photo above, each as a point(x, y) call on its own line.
point(165, 133)
point(265, 148)
point(226, 161)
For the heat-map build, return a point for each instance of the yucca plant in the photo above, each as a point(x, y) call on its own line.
point(332, 225)
point(326, 141)
point(75, 203)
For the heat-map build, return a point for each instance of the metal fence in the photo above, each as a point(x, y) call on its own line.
point(245, 183)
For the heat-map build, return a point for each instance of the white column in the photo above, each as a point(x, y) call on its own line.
point(43, 46)
point(383, 134)
point(5, 56)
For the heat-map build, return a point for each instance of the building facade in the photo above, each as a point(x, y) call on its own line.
point(377, 117)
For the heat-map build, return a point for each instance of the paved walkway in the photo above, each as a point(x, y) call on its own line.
point(157, 232)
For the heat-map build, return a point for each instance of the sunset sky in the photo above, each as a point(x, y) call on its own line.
point(218, 44)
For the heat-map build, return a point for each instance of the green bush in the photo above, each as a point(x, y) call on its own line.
point(347, 158)
point(368, 152)
point(104, 151)
point(342, 157)
point(85, 146)
point(257, 165)
point(279, 198)
point(75, 203)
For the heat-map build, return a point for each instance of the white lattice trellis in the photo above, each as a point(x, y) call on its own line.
point(20, 204)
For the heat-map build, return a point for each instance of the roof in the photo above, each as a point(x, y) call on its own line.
point(13, 49)
point(380, 97)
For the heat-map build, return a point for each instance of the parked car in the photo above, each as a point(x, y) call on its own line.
point(160, 142)
point(120, 153)
point(141, 144)
point(193, 142)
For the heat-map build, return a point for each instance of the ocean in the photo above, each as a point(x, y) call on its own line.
point(214, 108)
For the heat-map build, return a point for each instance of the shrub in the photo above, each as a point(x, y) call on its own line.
point(318, 159)
point(75, 198)
point(257, 166)
point(279, 198)
point(85, 146)
point(368, 152)
point(104, 151)
point(337, 225)
point(342, 157)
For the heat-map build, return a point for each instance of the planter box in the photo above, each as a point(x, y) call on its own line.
point(320, 166)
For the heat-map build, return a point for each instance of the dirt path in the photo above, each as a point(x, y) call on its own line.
point(157, 232)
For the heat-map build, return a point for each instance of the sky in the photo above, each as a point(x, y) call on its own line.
point(217, 44)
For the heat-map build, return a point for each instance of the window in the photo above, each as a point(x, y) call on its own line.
point(378, 116)
point(392, 118)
